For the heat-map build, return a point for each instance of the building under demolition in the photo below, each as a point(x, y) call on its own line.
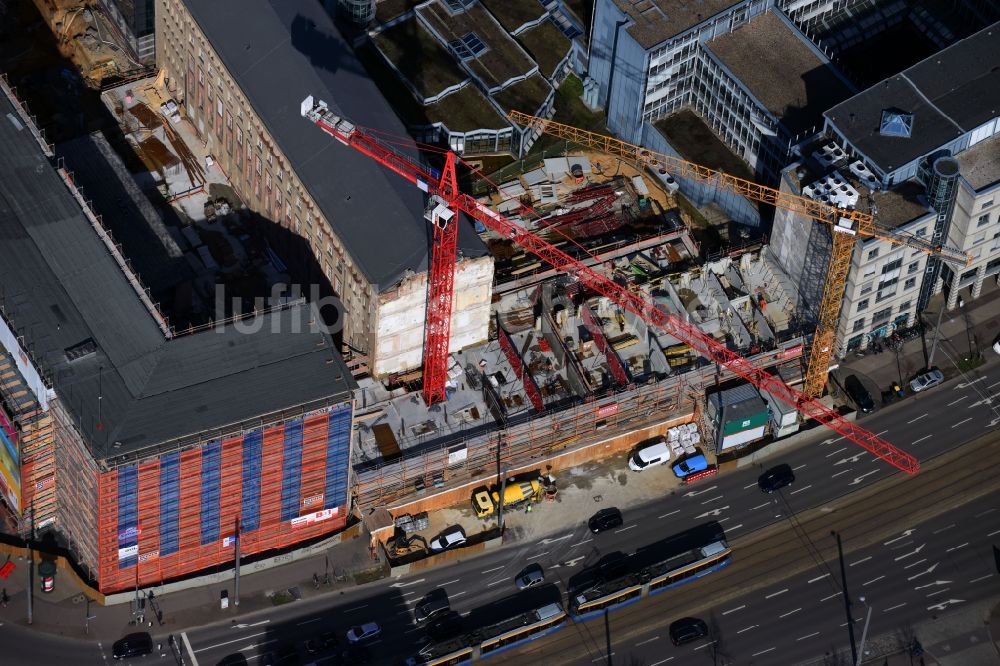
point(141, 451)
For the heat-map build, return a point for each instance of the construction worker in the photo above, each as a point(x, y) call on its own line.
point(527, 508)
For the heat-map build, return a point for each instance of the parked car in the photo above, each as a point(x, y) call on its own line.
point(451, 538)
point(605, 519)
point(859, 394)
point(531, 576)
point(657, 453)
point(363, 632)
point(687, 629)
point(690, 465)
point(321, 643)
point(134, 645)
point(776, 478)
point(926, 380)
point(996, 346)
point(444, 626)
point(430, 607)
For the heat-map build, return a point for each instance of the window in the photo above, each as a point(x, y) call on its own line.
point(881, 315)
point(458, 5)
point(913, 268)
point(872, 254)
point(862, 305)
point(866, 289)
point(858, 325)
point(987, 204)
point(921, 232)
point(468, 47)
point(910, 283)
point(983, 220)
point(903, 307)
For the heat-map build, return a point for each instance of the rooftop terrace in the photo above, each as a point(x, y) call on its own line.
point(789, 79)
point(419, 57)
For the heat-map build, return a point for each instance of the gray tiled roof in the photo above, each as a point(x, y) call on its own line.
point(280, 51)
point(60, 286)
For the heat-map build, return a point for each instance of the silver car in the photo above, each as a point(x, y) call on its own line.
point(530, 577)
point(926, 380)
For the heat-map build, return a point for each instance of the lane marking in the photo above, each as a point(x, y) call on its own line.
point(915, 563)
point(187, 646)
point(607, 656)
point(943, 529)
point(235, 640)
point(662, 661)
point(356, 608)
point(813, 580)
point(752, 626)
point(761, 506)
point(774, 594)
point(873, 580)
point(535, 557)
point(922, 439)
point(733, 610)
point(835, 594)
point(315, 619)
point(734, 527)
point(671, 513)
point(450, 582)
point(854, 564)
point(961, 422)
point(495, 569)
point(576, 544)
point(983, 513)
point(705, 645)
point(992, 533)
point(891, 608)
point(757, 654)
point(789, 613)
point(795, 469)
point(626, 529)
point(830, 455)
point(938, 592)
point(649, 640)
point(406, 594)
point(955, 402)
point(752, 485)
point(495, 583)
point(802, 638)
point(879, 434)
point(708, 501)
point(801, 489)
point(976, 580)
point(993, 384)
point(840, 472)
point(917, 419)
point(961, 545)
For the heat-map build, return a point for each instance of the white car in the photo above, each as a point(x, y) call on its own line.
point(657, 453)
point(450, 538)
point(996, 346)
point(363, 632)
point(926, 380)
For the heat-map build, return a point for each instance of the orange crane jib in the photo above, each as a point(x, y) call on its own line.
point(351, 135)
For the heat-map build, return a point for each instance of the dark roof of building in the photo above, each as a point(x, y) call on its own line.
point(278, 52)
point(773, 61)
point(948, 94)
point(62, 287)
point(656, 21)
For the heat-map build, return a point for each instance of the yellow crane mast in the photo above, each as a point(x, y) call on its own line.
point(846, 225)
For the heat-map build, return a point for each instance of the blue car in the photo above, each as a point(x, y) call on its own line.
point(695, 463)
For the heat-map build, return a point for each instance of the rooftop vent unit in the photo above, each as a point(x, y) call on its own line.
point(832, 189)
point(865, 175)
point(830, 153)
point(81, 350)
point(896, 123)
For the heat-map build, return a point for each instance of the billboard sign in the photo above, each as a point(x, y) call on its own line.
point(10, 468)
point(24, 365)
point(316, 517)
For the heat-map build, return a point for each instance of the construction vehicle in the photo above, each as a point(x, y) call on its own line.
point(515, 493)
point(446, 201)
point(846, 225)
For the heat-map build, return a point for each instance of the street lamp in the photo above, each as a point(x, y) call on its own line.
point(864, 632)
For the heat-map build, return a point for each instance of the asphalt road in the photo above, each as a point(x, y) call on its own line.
point(927, 425)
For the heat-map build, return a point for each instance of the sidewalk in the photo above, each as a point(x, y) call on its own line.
point(64, 611)
point(977, 325)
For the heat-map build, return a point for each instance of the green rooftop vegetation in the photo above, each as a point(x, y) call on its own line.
point(512, 14)
point(386, 10)
point(547, 45)
point(419, 57)
point(527, 95)
point(464, 111)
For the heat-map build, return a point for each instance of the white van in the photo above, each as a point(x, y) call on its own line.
point(657, 453)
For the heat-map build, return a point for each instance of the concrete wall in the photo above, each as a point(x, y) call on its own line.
point(399, 339)
point(596, 451)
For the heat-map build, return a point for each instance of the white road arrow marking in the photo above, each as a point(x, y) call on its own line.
point(937, 582)
point(412, 582)
point(922, 573)
point(899, 538)
point(713, 512)
point(693, 493)
point(852, 459)
point(545, 542)
point(984, 401)
point(830, 440)
point(915, 551)
point(944, 604)
point(859, 479)
point(966, 384)
point(245, 626)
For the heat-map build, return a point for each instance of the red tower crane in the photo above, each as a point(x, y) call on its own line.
point(445, 195)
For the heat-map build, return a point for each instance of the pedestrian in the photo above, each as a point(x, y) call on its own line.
point(4, 598)
point(527, 509)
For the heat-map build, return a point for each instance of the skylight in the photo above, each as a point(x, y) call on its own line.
point(896, 123)
point(468, 47)
point(458, 5)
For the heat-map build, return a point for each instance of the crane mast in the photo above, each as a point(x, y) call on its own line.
point(351, 135)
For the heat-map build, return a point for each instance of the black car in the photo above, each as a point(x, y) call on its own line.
point(133, 645)
point(687, 629)
point(321, 643)
point(776, 478)
point(444, 626)
point(605, 519)
point(859, 394)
